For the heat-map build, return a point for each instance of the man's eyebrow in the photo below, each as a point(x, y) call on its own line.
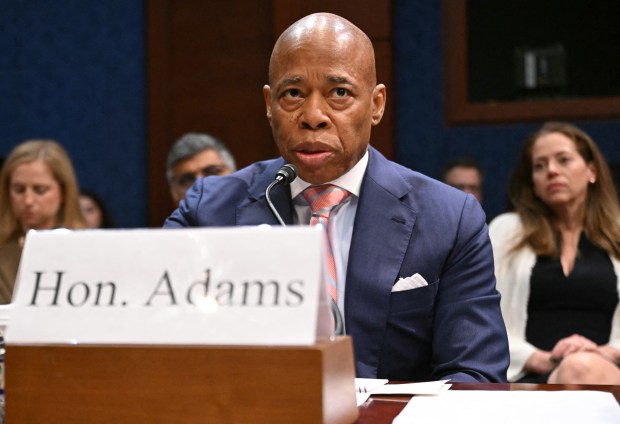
point(334, 79)
point(339, 80)
point(291, 80)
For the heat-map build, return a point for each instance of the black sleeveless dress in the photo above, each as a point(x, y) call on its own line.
point(582, 302)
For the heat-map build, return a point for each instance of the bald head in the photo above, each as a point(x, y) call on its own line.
point(330, 32)
point(323, 97)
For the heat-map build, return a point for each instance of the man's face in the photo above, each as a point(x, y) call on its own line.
point(466, 179)
point(186, 171)
point(321, 105)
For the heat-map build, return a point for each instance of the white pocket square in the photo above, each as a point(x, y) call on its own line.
point(413, 282)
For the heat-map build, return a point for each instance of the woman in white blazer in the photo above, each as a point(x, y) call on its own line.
point(557, 261)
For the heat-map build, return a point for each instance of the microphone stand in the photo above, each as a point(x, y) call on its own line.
point(285, 175)
point(270, 203)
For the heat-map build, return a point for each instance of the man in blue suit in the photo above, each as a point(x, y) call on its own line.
point(412, 255)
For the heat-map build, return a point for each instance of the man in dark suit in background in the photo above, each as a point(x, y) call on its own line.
point(413, 259)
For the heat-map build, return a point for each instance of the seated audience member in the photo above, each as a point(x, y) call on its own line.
point(94, 210)
point(38, 190)
point(557, 261)
point(465, 174)
point(196, 155)
point(386, 233)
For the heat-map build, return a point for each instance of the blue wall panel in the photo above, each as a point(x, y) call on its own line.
point(74, 71)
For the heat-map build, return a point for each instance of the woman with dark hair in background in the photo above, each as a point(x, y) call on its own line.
point(94, 210)
point(557, 261)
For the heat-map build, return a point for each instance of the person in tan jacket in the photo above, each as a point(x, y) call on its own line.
point(38, 190)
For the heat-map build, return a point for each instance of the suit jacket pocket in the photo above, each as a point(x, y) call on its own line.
point(417, 301)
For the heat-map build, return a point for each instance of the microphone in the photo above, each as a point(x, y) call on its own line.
point(285, 175)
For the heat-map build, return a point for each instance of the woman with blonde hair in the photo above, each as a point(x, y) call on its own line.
point(557, 261)
point(38, 190)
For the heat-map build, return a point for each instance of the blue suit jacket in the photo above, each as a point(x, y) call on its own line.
point(406, 223)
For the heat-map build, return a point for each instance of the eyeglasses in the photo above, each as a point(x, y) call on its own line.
point(188, 178)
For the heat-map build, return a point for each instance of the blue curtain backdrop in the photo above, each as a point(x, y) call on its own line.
point(75, 71)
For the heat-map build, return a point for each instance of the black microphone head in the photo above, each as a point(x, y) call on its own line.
point(287, 173)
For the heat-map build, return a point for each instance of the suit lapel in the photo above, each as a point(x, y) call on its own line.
point(383, 226)
point(256, 211)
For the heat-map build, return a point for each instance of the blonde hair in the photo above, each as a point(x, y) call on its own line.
point(602, 216)
point(56, 158)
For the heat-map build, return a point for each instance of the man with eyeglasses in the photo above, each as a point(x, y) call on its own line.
point(465, 174)
point(196, 155)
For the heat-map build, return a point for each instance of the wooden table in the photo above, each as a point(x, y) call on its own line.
point(383, 409)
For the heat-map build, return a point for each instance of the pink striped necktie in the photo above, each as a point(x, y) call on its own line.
point(322, 199)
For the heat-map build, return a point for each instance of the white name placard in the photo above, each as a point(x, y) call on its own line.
point(232, 286)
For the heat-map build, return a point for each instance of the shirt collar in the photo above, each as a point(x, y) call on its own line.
point(350, 181)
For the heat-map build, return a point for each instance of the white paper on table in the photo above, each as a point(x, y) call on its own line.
point(425, 388)
point(369, 386)
point(364, 387)
point(512, 407)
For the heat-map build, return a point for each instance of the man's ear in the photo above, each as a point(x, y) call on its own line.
point(379, 96)
point(267, 96)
